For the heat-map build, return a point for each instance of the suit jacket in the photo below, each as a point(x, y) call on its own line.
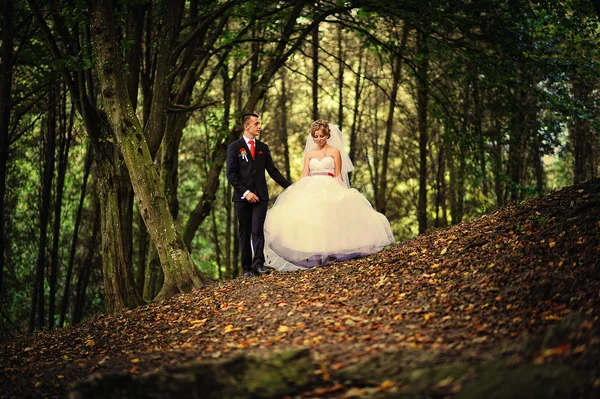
point(245, 173)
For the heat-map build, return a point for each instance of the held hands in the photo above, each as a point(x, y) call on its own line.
point(251, 197)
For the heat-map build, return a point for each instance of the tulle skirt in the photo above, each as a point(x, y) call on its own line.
point(317, 220)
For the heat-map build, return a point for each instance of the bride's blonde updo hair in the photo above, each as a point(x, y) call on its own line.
point(322, 125)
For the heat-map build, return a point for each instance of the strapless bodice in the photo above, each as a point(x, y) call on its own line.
point(321, 166)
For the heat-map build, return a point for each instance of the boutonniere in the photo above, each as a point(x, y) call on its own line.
point(243, 154)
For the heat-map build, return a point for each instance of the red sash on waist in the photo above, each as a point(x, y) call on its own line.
point(322, 174)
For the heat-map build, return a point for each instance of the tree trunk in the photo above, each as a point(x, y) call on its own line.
point(125, 197)
point(87, 260)
point(376, 100)
point(461, 184)
point(229, 218)
point(133, 56)
point(48, 149)
point(444, 190)
point(283, 129)
point(205, 204)
point(163, 79)
point(181, 274)
point(63, 159)
point(169, 167)
point(228, 98)
point(538, 165)
point(87, 166)
point(236, 265)
point(583, 137)
point(440, 195)
point(119, 285)
point(498, 170)
point(142, 249)
point(517, 151)
point(254, 62)
point(216, 243)
point(154, 276)
point(381, 199)
point(315, 73)
point(340, 77)
point(596, 4)
point(422, 100)
point(478, 130)
point(6, 74)
point(148, 70)
point(457, 164)
point(453, 193)
point(356, 114)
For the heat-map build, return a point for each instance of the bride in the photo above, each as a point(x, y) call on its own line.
point(319, 219)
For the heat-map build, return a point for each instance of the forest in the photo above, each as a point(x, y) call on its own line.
point(115, 118)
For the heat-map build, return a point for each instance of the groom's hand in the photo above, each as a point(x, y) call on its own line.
point(251, 197)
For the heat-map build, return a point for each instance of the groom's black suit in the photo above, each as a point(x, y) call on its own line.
point(247, 174)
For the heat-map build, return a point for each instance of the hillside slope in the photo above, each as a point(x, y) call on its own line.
point(520, 286)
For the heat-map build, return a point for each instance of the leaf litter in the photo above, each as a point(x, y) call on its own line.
point(460, 291)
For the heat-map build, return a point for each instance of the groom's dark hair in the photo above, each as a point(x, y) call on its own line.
point(247, 117)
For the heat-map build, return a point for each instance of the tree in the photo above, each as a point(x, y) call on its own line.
point(382, 187)
point(6, 76)
point(181, 274)
point(422, 101)
point(67, 287)
point(118, 279)
point(37, 316)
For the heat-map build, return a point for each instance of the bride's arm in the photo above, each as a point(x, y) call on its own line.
point(338, 164)
point(305, 169)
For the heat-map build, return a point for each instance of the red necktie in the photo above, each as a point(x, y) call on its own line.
point(251, 143)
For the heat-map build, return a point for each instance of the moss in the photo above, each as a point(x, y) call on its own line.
point(527, 381)
point(275, 376)
point(422, 374)
point(243, 376)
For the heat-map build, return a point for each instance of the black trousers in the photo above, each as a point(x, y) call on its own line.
point(251, 218)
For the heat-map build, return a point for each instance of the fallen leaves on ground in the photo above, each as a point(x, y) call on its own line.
point(461, 290)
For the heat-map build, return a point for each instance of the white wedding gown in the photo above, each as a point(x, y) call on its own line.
point(318, 220)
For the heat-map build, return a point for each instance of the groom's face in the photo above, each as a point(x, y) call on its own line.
point(252, 127)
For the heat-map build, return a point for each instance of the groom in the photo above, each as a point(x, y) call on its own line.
point(247, 160)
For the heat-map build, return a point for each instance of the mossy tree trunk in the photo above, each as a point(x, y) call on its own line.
point(119, 288)
point(181, 274)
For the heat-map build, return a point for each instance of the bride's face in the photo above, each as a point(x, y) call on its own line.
point(319, 138)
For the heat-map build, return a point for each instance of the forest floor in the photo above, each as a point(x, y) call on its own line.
point(503, 306)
